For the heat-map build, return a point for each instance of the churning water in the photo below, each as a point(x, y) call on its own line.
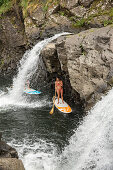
point(53, 142)
point(91, 146)
point(28, 65)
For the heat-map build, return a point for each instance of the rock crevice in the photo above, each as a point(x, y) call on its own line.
point(87, 59)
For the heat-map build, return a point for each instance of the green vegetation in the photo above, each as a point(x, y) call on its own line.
point(79, 23)
point(85, 21)
point(62, 13)
point(107, 22)
point(83, 52)
point(5, 5)
point(1, 62)
point(49, 4)
point(31, 5)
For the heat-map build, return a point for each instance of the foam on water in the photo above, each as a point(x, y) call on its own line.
point(36, 156)
point(7, 102)
point(91, 147)
point(28, 65)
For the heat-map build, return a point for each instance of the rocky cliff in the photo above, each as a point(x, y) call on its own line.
point(23, 23)
point(84, 59)
point(87, 59)
point(9, 157)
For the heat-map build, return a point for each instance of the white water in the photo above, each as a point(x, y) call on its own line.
point(39, 155)
point(36, 156)
point(91, 146)
point(28, 65)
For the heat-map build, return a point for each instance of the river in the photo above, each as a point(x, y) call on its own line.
point(25, 120)
point(58, 141)
point(37, 135)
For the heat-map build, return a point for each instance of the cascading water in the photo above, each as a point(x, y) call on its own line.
point(28, 65)
point(35, 153)
point(91, 146)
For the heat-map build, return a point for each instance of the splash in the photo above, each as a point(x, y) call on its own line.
point(36, 156)
point(91, 146)
point(28, 65)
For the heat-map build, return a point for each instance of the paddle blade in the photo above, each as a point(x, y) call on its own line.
point(51, 111)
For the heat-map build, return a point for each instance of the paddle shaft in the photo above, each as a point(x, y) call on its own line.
point(52, 110)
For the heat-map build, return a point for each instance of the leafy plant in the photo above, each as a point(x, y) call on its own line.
point(62, 13)
point(5, 5)
point(45, 8)
point(79, 23)
point(107, 22)
point(24, 4)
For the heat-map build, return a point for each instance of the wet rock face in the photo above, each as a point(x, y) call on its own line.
point(56, 64)
point(6, 151)
point(50, 58)
point(87, 58)
point(9, 157)
point(12, 42)
point(84, 60)
point(43, 20)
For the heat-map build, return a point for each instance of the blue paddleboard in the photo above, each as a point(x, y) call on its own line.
point(31, 91)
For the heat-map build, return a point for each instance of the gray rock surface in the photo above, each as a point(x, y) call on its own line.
point(9, 157)
point(69, 3)
point(50, 58)
point(86, 3)
point(84, 59)
point(79, 11)
point(12, 42)
point(7, 151)
point(87, 58)
point(44, 19)
point(11, 164)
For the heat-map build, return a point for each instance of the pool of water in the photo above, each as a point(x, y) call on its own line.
point(38, 136)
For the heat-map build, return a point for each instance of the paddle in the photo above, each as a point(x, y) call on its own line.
point(52, 110)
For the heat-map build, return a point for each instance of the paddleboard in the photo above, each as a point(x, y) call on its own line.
point(63, 107)
point(31, 91)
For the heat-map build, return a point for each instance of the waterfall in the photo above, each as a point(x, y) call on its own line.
point(91, 146)
point(28, 65)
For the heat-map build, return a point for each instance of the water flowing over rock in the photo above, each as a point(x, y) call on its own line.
point(44, 19)
point(84, 58)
